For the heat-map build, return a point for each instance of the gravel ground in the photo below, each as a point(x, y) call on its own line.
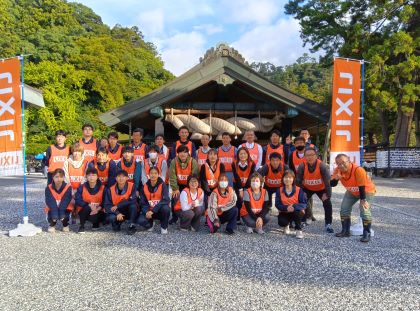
point(197, 271)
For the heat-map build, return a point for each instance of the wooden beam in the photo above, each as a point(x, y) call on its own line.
point(222, 112)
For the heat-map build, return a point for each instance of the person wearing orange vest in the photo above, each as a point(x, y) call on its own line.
point(163, 151)
point(114, 148)
point(313, 176)
point(104, 143)
point(133, 167)
point(291, 203)
point(192, 205)
point(58, 198)
point(297, 156)
point(153, 160)
point(256, 205)
point(120, 203)
point(107, 169)
point(139, 147)
point(56, 154)
point(255, 150)
point(201, 154)
point(88, 142)
point(222, 207)
point(359, 188)
point(210, 171)
point(274, 146)
point(242, 169)
point(227, 154)
point(154, 203)
point(183, 140)
point(89, 200)
point(182, 166)
point(273, 173)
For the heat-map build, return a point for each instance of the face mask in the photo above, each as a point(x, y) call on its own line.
point(152, 155)
point(223, 184)
point(300, 148)
point(255, 184)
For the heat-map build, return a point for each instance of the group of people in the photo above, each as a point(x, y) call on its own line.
point(103, 182)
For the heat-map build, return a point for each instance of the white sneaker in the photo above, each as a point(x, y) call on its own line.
point(260, 231)
point(51, 229)
point(286, 230)
point(163, 231)
point(151, 228)
point(299, 234)
point(183, 230)
point(193, 230)
point(249, 230)
point(66, 229)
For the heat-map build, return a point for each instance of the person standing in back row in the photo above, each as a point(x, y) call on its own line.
point(255, 150)
point(183, 140)
point(56, 154)
point(89, 144)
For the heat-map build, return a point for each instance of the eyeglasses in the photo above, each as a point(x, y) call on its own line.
point(342, 164)
point(310, 155)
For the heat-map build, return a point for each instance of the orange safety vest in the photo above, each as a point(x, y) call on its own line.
point(243, 174)
point(313, 181)
point(274, 180)
point(222, 200)
point(77, 175)
point(183, 173)
point(102, 175)
point(129, 169)
point(227, 157)
point(294, 199)
point(147, 166)
point(57, 158)
point(201, 157)
point(153, 197)
point(94, 199)
point(211, 177)
point(253, 152)
point(350, 183)
point(115, 156)
point(189, 146)
point(89, 149)
point(139, 152)
point(256, 205)
point(270, 150)
point(58, 197)
point(296, 160)
point(117, 198)
point(178, 207)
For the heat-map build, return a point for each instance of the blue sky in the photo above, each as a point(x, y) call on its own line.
point(183, 30)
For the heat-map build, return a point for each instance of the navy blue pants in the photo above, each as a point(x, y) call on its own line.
point(229, 217)
point(162, 216)
point(129, 212)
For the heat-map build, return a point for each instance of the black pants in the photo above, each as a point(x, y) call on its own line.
point(130, 213)
point(284, 219)
point(162, 216)
point(326, 204)
point(84, 216)
point(49, 178)
point(239, 203)
point(53, 222)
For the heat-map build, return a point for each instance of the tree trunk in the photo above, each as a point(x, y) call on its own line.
point(417, 118)
point(383, 116)
point(403, 128)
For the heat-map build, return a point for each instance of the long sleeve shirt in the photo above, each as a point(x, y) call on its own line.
point(58, 211)
point(162, 170)
point(302, 201)
point(325, 174)
point(248, 206)
point(164, 201)
point(173, 179)
point(48, 154)
point(112, 173)
point(260, 152)
point(214, 205)
point(185, 205)
point(137, 172)
point(78, 198)
point(203, 177)
point(108, 199)
point(172, 154)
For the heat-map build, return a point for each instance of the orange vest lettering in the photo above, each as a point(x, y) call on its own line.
point(350, 183)
point(94, 199)
point(178, 207)
point(201, 157)
point(153, 197)
point(227, 157)
point(129, 169)
point(117, 198)
point(253, 152)
point(243, 174)
point(313, 181)
point(212, 177)
point(77, 175)
point(274, 179)
point(139, 152)
point(103, 175)
point(183, 173)
point(223, 200)
point(256, 205)
point(58, 157)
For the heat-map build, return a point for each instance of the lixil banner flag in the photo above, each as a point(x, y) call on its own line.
point(345, 122)
point(11, 158)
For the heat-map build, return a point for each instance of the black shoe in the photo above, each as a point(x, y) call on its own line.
point(173, 221)
point(345, 230)
point(131, 230)
point(81, 230)
point(116, 228)
point(229, 232)
point(313, 218)
point(95, 227)
point(366, 233)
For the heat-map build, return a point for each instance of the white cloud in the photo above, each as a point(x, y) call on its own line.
point(209, 29)
point(250, 11)
point(278, 43)
point(182, 51)
point(151, 22)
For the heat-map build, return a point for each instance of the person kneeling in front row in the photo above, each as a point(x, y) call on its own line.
point(154, 202)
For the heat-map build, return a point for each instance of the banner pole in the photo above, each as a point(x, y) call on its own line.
point(22, 77)
point(362, 113)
